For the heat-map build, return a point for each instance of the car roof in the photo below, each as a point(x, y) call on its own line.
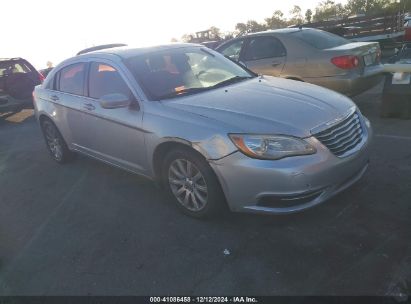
point(281, 31)
point(128, 52)
point(11, 59)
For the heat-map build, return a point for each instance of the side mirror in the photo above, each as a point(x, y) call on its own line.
point(114, 101)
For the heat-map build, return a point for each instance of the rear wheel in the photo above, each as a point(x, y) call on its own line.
point(192, 183)
point(55, 142)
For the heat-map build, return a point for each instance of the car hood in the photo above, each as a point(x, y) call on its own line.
point(267, 105)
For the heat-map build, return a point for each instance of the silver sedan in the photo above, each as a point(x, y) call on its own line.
point(211, 132)
point(309, 55)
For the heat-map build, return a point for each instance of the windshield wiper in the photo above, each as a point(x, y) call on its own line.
point(231, 80)
point(189, 91)
point(184, 92)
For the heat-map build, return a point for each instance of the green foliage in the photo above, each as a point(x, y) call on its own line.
point(308, 15)
point(329, 10)
point(215, 33)
point(325, 10)
point(296, 16)
point(251, 26)
point(367, 6)
point(187, 37)
point(276, 20)
point(406, 5)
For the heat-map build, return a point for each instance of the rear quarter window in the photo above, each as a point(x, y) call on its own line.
point(319, 39)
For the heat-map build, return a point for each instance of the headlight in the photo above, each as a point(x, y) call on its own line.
point(271, 146)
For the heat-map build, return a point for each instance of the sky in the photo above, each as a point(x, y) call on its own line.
point(53, 30)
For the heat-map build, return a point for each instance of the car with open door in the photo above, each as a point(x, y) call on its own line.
point(17, 81)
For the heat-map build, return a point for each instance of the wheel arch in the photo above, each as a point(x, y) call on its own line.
point(43, 117)
point(165, 147)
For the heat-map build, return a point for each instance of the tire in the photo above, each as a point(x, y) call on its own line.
point(192, 184)
point(55, 143)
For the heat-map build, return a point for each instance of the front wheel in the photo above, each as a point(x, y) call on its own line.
point(55, 142)
point(192, 183)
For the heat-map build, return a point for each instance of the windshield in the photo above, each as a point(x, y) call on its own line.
point(320, 39)
point(182, 71)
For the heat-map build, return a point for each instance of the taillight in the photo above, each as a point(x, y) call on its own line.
point(41, 77)
point(345, 62)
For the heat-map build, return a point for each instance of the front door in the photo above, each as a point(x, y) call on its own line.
point(115, 135)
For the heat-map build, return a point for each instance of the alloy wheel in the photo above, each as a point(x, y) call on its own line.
point(53, 141)
point(188, 184)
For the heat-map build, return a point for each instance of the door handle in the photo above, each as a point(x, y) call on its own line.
point(274, 64)
point(54, 98)
point(89, 106)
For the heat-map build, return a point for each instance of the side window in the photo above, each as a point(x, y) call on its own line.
point(72, 79)
point(264, 47)
point(13, 68)
point(21, 68)
point(233, 50)
point(50, 84)
point(104, 79)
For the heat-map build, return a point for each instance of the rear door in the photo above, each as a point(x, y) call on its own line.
point(66, 93)
point(264, 55)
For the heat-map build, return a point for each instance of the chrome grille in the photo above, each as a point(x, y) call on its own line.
point(343, 136)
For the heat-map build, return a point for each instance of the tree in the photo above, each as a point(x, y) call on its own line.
point(276, 20)
point(327, 10)
point(215, 33)
point(251, 26)
point(296, 18)
point(367, 6)
point(187, 37)
point(405, 5)
point(308, 15)
point(241, 28)
point(173, 40)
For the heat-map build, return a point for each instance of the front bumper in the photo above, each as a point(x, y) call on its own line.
point(290, 184)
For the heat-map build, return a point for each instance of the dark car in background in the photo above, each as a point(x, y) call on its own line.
point(17, 81)
point(309, 55)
